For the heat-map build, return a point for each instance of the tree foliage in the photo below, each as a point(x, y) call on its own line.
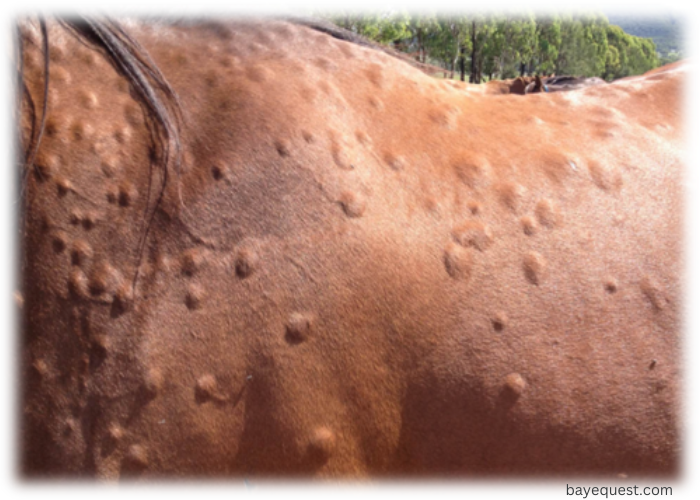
point(665, 29)
point(505, 45)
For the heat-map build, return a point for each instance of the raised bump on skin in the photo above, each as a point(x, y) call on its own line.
point(298, 328)
point(473, 234)
point(109, 166)
point(133, 114)
point(219, 171)
point(376, 103)
point(499, 322)
point(512, 195)
point(112, 194)
point(17, 299)
point(40, 368)
point(78, 284)
point(81, 253)
point(546, 213)
point(446, 117)
point(81, 130)
point(75, 217)
point(60, 75)
point(100, 344)
point(258, 74)
point(604, 177)
point(352, 204)
point(122, 134)
point(115, 432)
point(70, 425)
point(104, 278)
point(475, 207)
point(123, 298)
point(611, 285)
point(88, 220)
point(63, 186)
point(206, 386)
point(56, 54)
point(322, 444)
point(325, 64)
point(88, 100)
point(246, 262)
point(515, 383)
point(534, 266)
point(395, 162)
point(346, 50)
point(362, 138)
point(283, 147)
point(652, 292)
point(153, 381)
point(194, 296)
point(558, 168)
point(375, 75)
point(127, 193)
point(339, 151)
point(471, 172)
point(45, 167)
point(192, 261)
point(529, 225)
point(55, 125)
point(307, 136)
point(458, 261)
point(137, 455)
point(59, 241)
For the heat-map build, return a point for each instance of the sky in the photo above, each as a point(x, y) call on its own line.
point(678, 5)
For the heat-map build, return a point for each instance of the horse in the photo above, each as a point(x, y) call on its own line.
point(524, 85)
point(562, 83)
point(250, 248)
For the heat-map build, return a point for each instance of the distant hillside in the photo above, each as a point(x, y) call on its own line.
point(666, 30)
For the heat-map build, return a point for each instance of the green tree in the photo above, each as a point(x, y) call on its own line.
point(617, 42)
point(495, 49)
point(394, 28)
point(634, 55)
point(548, 40)
point(612, 63)
point(651, 55)
point(596, 34)
point(512, 41)
point(455, 39)
point(504, 45)
point(584, 46)
point(422, 29)
point(483, 29)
